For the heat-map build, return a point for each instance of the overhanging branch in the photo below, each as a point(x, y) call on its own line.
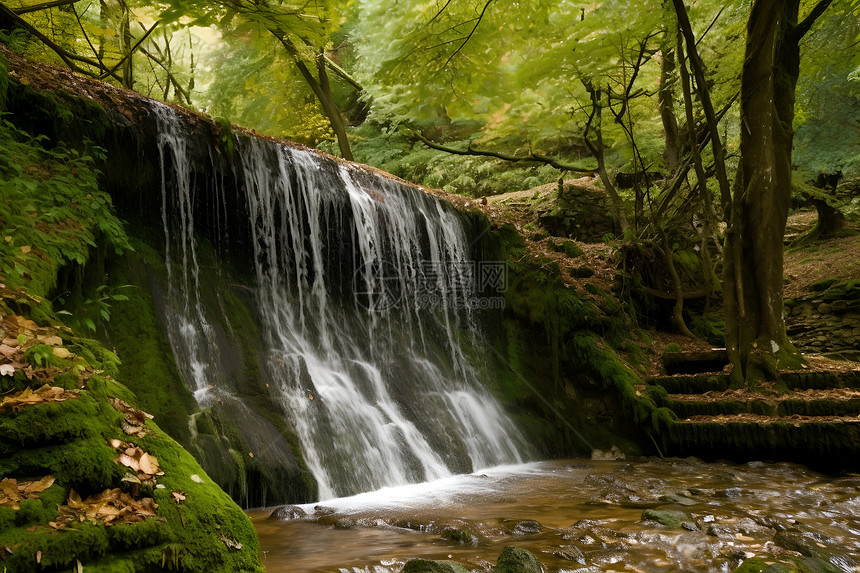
point(533, 157)
point(43, 6)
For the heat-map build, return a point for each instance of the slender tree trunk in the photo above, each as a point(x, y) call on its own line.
point(666, 101)
point(596, 148)
point(322, 89)
point(756, 340)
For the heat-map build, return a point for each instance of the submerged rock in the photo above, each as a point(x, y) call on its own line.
point(517, 560)
point(427, 566)
point(527, 527)
point(786, 565)
point(460, 536)
point(669, 518)
point(288, 513)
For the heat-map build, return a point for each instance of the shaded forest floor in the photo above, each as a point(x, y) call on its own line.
point(830, 260)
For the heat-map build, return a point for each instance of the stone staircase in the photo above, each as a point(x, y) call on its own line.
point(810, 416)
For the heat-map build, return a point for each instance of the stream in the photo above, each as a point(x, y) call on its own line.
point(576, 515)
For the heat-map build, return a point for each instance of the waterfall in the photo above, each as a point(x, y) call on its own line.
point(365, 288)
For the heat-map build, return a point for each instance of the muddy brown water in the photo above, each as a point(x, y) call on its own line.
point(578, 515)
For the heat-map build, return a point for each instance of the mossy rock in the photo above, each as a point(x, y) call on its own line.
point(786, 565)
point(427, 566)
point(669, 518)
point(569, 248)
point(459, 535)
point(517, 560)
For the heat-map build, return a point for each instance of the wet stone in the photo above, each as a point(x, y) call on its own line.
point(427, 566)
point(517, 560)
point(570, 553)
point(528, 527)
point(668, 518)
point(460, 536)
point(288, 513)
point(678, 499)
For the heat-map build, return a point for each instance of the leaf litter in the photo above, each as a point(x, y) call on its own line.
point(110, 507)
point(12, 491)
point(134, 419)
point(28, 397)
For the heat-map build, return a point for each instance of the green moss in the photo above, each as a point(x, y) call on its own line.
point(568, 247)
point(668, 518)
point(147, 367)
point(4, 82)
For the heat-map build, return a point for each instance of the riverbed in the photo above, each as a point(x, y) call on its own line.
point(579, 515)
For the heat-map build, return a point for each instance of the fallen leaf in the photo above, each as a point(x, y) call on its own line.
point(178, 496)
point(36, 486)
point(128, 462)
point(6, 370)
point(234, 545)
point(62, 353)
point(148, 464)
point(8, 351)
point(38, 557)
point(25, 249)
point(50, 340)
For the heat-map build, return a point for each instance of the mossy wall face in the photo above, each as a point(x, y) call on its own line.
point(241, 441)
point(553, 355)
point(70, 440)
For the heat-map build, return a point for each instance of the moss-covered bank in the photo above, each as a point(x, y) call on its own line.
point(74, 468)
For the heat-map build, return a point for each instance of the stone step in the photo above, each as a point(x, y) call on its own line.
point(691, 383)
point(713, 360)
point(828, 443)
point(795, 380)
point(839, 402)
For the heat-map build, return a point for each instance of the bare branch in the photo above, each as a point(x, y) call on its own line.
point(469, 36)
point(534, 157)
point(802, 28)
point(43, 6)
point(130, 52)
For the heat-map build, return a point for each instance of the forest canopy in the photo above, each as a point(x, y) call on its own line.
point(703, 122)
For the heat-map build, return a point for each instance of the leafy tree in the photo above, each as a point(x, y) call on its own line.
point(755, 330)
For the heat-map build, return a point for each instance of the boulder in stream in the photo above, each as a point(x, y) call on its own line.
point(517, 560)
point(427, 566)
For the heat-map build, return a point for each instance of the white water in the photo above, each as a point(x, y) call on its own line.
point(361, 282)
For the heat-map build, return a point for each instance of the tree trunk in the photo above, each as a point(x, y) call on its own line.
point(666, 101)
point(830, 220)
point(756, 340)
point(322, 90)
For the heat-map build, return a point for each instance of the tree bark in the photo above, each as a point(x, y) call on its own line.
point(666, 101)
point(322, 90)
point(756, 340)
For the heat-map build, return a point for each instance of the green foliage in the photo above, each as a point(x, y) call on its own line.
point(392, 151)
point(52, 211)
point(828, 105)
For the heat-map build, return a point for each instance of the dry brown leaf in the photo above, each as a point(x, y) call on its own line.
point(8, 351)
point(61, 353)
point(128, 462)
point(148, 464)
point(51, 340)
point(7, 370)
point(28, 397)
point(25, 323)
point(178, 496)
point(109, 507)
point(39, 486)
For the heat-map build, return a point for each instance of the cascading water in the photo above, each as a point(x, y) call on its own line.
point(364, 287)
